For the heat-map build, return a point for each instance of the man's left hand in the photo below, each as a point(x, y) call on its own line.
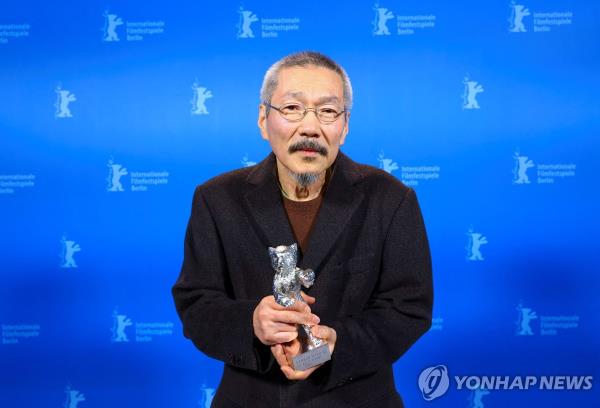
point(285, 352)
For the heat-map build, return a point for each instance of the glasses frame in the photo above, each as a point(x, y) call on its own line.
point(306, 110)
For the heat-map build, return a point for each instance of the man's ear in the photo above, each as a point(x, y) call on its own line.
point(346, 128)
point(262, 121)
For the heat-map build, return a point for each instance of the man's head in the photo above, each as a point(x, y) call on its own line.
point(305, 145)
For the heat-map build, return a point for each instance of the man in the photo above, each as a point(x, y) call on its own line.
point(358, 227)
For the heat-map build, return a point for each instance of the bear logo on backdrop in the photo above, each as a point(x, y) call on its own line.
point(69, 249)
point(247, 17)
point(526, 315)
point(475, 399)
point(471, 90)
point(120, 323)
point(63, 99)
point(382, 15)
point(517, 13)
point(201, 94)
point(74, 397)
point(474, 243)
point(522, 164)
point(111, 22)
point(115, 172)
point(246, 162)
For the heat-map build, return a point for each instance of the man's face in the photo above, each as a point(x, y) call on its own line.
point(311, 86)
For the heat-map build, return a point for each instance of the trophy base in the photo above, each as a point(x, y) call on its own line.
point(312, 358)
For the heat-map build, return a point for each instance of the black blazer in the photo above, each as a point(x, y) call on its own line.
point(373, 285)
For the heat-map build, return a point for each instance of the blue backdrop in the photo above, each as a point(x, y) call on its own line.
point(113, 112)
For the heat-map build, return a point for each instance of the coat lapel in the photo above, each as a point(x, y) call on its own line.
point(340, 200)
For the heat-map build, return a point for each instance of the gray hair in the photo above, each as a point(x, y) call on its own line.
point(304, 59)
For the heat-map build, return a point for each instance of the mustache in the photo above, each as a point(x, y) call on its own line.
point(308, 144)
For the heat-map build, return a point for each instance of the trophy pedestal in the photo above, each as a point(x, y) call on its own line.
point(312, 358)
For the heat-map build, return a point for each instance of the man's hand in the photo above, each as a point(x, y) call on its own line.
point(284, 353)
point(274, 323)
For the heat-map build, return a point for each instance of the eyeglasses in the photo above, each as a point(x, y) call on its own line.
point(295, 112)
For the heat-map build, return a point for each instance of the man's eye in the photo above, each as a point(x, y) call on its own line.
point(328, 110)
point(291, 108)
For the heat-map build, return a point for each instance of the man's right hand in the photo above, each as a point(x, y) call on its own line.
point(274, 323)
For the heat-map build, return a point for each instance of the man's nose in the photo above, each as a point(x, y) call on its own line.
point(310, 125)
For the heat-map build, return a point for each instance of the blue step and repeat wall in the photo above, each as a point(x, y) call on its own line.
point(112, 112)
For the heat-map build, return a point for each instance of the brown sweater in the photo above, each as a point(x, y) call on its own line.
point(302, 216)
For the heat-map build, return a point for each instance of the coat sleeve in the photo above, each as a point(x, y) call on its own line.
point(399, 310)
point(218, 325)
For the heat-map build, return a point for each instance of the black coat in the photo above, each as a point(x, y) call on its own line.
point(373, 285)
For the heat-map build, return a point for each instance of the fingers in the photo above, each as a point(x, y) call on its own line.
point(307, 298)
point(292, 374)
point(279, 354)
point(325, 333)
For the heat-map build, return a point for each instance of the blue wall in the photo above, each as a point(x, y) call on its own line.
point(489, 110)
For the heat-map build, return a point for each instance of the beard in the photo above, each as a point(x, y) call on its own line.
point(303, 181)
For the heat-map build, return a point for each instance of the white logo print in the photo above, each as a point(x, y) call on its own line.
point(476, 240)
point(111, 22)
point(244, 26)
point(246, 162)
point(434, 382)
point(201, 94)
point(115, 172)
point(471, 90)
point(382, 15)
point(526, 315)
point(69, 249)
point(63, 99)
point(207, 396)
point(517, 13)
point(74, 397)
point(120, 323)
point(522, 164)
point(388, 165)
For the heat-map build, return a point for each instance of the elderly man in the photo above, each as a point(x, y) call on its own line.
point(357, 227)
